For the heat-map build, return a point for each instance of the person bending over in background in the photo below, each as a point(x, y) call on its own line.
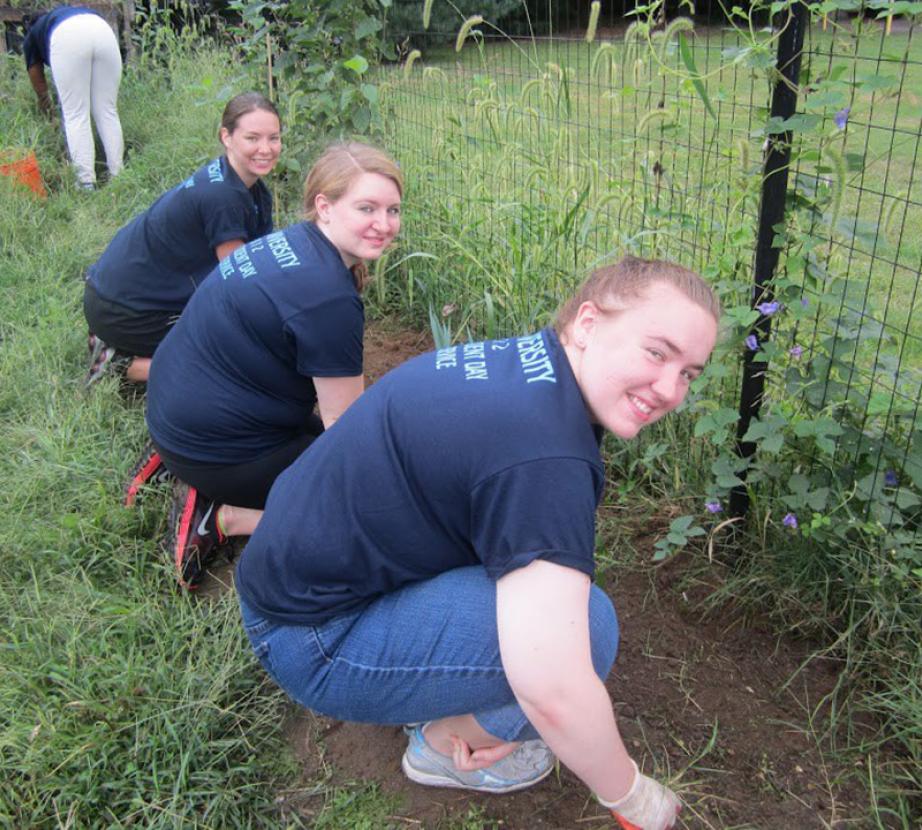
point(277, 328)
point(430, 560)
point(82, 51)
point(139, 286)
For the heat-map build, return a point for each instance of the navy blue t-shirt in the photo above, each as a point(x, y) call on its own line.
point(36, 44)
point(476, 454)
point(157, 260)
point(233, 379)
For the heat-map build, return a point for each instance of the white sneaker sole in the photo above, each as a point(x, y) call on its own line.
point(428, 779)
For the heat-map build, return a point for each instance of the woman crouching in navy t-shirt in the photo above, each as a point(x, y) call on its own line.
point(277, 328)
point(430, 560)
point(143, 280)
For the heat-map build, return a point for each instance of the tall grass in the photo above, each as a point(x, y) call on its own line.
point(122, 702)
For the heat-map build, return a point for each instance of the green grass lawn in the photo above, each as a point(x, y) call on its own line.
point(123, 702)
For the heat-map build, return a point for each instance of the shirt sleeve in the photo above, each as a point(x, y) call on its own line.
point(226, 214)
point(543, 509)
point(328, 338)
point(265, 219)
point(30, 48)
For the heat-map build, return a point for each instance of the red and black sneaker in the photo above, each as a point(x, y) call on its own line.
point(197, 535)
point(149, 470)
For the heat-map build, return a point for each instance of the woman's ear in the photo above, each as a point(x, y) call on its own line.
point(322, 206)
point(224, 135)
point(587, 316)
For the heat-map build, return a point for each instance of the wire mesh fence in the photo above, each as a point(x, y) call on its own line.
point(534, 154)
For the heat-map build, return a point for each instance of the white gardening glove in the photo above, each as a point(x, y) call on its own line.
point(648, 805)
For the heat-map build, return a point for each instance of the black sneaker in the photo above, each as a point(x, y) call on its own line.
point(197, 536)
point(149, 470)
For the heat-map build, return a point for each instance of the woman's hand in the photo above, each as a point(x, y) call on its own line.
point(468, 760)
point(648, 805)
point(40, 85)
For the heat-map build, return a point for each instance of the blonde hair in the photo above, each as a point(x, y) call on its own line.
point(617, 286)
point(333, 173)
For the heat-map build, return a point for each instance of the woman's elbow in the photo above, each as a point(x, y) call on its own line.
point(553, 705)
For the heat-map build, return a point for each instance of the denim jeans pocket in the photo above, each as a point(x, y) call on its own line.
point(257, 627)
point(328, 635)
point(258, 630)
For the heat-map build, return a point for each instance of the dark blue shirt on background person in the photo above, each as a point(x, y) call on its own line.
point(156, 261)
point(35, 45)
point(233, 378)
point(480, 453)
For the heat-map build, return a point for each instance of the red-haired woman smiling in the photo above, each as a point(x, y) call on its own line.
point(277, 328)
point(430, 559)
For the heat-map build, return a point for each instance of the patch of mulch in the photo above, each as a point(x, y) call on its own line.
point(703, 701)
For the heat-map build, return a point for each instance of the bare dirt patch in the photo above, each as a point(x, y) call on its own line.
point(388, 344)
point(703, 701)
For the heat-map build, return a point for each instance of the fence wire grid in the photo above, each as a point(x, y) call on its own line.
point(533, 155)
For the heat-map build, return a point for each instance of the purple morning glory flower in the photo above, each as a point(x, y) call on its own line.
point(752, 343)
point(891, 479)
point(790, 520)
point(713, 506)
point(841, 117)
point(796, 351)
point(768, 308)
point(804, 302)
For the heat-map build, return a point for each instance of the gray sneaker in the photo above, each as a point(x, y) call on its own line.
point(104, 359)
point(531, 762)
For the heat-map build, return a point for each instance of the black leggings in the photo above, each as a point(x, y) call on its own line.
point(246, 484)
point(135, 333)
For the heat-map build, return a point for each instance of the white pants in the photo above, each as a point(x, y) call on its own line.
point(87, 70)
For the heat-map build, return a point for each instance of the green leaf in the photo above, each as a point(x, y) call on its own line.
point(715, 421)
point(681, 524)
point(840, 5)
point(357, 64)
point(875, 83)
point(728, 480)
point(818, 498)
point(367, 27)
point(831, 99)
point(370, 91)
point(773, 443)
point(802, 122)
point(900, 7)
point(689, 60)
point(361, 119)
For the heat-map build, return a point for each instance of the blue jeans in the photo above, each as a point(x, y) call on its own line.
point(424, 652)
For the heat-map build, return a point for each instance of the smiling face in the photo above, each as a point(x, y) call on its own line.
point(364, 220)
point(634, 365)
point(254, 145)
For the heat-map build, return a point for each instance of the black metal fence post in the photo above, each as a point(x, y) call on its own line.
point(793, 23)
